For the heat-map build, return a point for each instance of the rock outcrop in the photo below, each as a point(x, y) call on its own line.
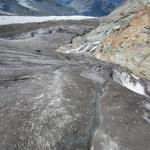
point(128, 44)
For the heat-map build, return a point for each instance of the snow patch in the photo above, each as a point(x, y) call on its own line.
point(81, 6)
point(5, 13)
point(135, 76)
point(146, 105)
point(5, 20)
point(146, 111)
point(83, 49)
point(40, 96)
point(26, 4)
point(146, 117)
point(129, 81)
point(117, 27)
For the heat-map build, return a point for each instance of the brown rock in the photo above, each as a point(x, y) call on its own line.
point(129, 46)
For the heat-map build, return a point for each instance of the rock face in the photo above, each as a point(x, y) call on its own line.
point(128, 44)
point(58, 7)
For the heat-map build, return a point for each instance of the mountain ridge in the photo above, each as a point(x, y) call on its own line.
point(58, 7)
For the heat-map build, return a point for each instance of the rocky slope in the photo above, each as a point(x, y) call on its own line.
point(122, 38)
point(129, 44)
